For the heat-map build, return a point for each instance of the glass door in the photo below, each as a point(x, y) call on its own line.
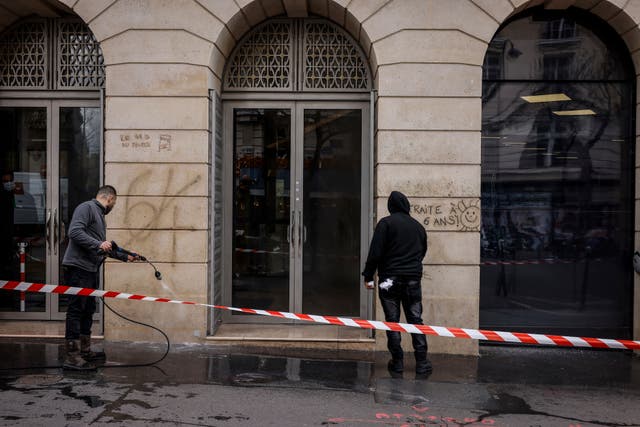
point(299, 215)
point(331, 209)
point(77, 128)
point(262, 232)
point(50, 159)
point(25, 203)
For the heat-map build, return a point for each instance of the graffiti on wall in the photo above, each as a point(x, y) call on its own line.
point(143, 140)
point(448, 214)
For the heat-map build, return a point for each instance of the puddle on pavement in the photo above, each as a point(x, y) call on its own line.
point(211, 364)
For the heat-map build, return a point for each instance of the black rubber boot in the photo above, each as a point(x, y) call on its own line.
point(88, 354)
point(423, 365)
point(395, 366)
point(73, 360)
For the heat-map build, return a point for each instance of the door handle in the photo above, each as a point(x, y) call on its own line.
point(291, 232)
point(300, 227)
point(48, 231)
point(55, 231)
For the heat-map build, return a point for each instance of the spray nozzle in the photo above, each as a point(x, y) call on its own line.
point(116, 248)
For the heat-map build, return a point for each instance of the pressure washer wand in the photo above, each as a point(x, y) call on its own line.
point(116, 248)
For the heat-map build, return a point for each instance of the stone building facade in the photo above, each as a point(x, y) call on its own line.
point(171, 117)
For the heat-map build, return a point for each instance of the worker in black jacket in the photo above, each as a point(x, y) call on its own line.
point(397, 249)
point(86, 252)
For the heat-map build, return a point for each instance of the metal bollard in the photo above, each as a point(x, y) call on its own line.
point(22, 246)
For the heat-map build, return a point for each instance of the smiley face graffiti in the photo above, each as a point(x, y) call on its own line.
point(468, 215)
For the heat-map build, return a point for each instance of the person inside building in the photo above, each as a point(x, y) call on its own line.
point(398, 246)
point(82, 260)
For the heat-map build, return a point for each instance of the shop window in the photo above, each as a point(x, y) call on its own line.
point(558, 178)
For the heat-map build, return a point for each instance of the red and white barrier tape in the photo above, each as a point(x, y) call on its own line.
point(535, 262)
point(23, 274)
point(477, 334)
point(259, 251)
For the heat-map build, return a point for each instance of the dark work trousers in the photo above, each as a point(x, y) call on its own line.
point(408, 293)
point(80, 310)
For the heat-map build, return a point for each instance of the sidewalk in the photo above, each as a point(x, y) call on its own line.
point(222, 385)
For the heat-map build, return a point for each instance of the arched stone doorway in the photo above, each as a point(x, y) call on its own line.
point(296, 102)
point(558, 177)
point(51, 78)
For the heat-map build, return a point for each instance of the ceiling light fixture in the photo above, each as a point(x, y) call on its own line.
point(575, 113)
point(551, 97)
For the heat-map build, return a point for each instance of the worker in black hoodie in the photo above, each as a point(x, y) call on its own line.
point(397, 249)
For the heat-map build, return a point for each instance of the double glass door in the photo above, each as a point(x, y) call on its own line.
point(50, 161)
point(299, 216)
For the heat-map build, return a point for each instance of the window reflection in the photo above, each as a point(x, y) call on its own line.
point(23, 169)
point(79, 170)
point(557, 179)
point(262, 155)
point(547, 46)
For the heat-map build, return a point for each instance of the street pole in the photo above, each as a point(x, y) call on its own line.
point(22, 251)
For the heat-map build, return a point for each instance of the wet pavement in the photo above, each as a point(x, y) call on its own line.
point(227, 386)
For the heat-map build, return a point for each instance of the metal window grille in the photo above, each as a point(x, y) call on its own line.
point(298, 54)
point(331, 60)
point(24, 56)
point(264, 60)
point(50, 54)
point(79, 59)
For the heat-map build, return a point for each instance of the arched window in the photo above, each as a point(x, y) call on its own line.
point(298, 55)
point(557, 176)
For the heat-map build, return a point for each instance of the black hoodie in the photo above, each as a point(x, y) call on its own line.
point(399, 243)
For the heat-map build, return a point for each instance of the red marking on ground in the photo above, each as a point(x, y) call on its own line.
point(394, 419)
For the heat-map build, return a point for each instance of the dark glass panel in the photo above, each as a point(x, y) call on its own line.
point(262, 165)
point(557, 194)
point(546, 45)
point(332, 186)
point(23, 168)
point(80, 147)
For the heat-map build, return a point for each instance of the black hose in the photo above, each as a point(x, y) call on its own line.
point(128, 365)
point(137, 365)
